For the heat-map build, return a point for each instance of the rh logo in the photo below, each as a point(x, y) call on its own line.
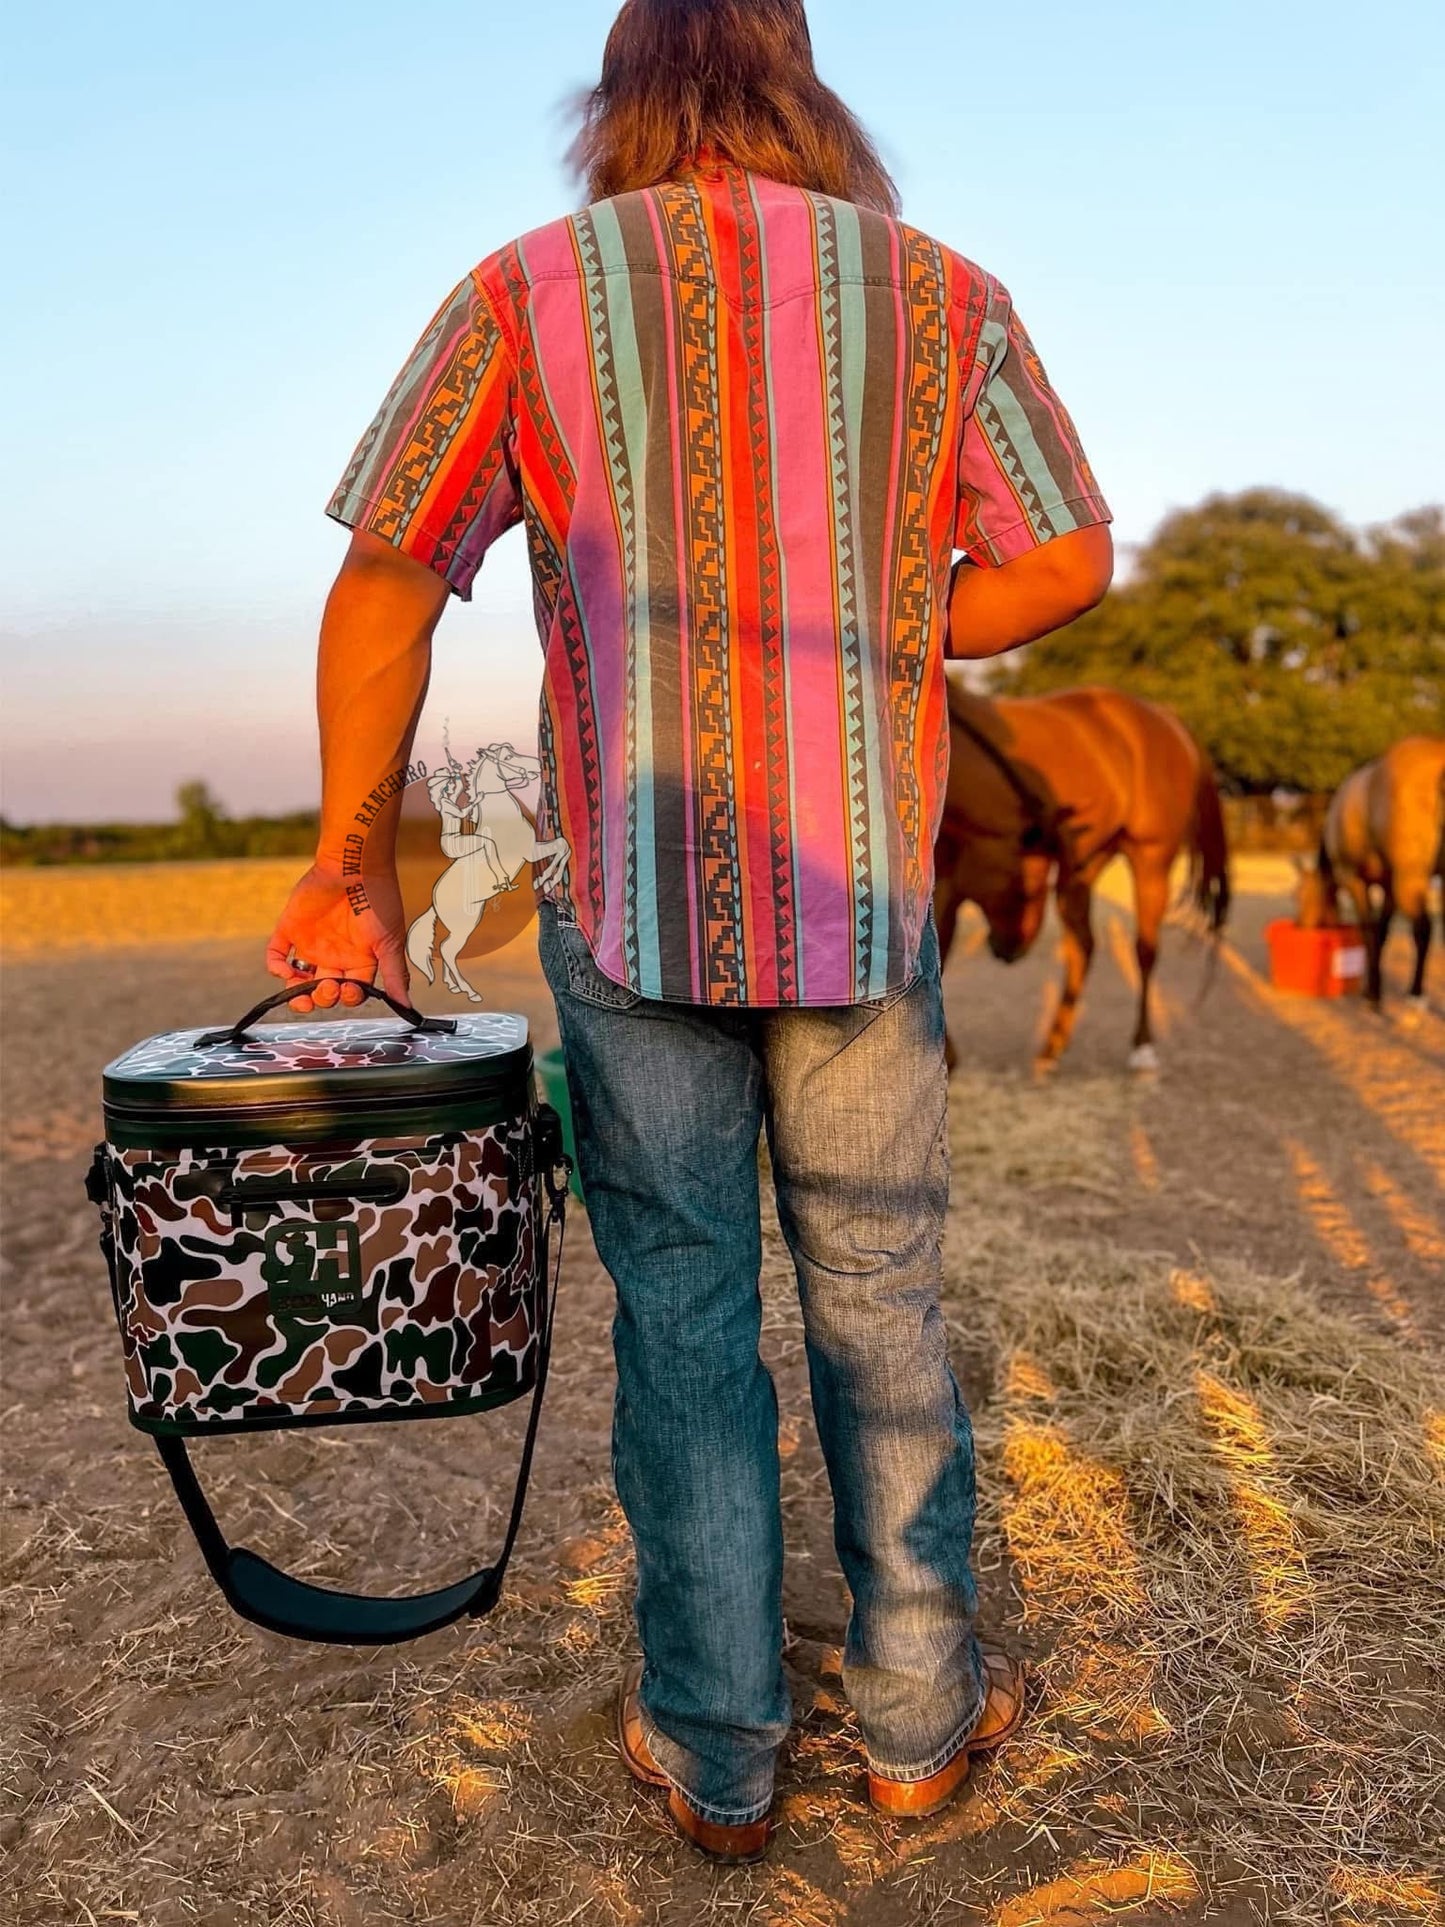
point(314, 1270)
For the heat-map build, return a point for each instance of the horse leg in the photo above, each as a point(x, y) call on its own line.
point(1421, 927)
point(945, 917)
point(1377, 935)
point(450, 954)
point(1151, 900)
point(1075, 901)
point(1414, 899)
point(557, 852)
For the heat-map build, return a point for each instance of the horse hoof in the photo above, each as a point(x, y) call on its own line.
point(1045, 1066)
point(1143, 1059)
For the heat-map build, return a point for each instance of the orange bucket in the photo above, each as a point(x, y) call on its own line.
point(1316, 963)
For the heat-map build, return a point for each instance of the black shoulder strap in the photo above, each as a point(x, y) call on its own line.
point(264, 1594)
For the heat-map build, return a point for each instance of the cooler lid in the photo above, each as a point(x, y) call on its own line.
point(331, 1061)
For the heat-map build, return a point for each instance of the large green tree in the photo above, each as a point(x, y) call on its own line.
point(1294, 647)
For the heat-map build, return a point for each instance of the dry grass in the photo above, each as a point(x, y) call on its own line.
point(97, 906)
point(1386, 1073)
point(1226, 1517)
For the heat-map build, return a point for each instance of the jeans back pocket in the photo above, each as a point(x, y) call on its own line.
point(568, 963)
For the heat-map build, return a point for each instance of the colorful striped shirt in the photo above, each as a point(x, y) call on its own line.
point(746, 427)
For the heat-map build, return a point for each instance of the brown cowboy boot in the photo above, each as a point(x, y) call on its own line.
point(731, 1846)
point(1003, 1709)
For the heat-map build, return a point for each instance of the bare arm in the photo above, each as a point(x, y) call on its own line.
point(992, 610)
point(373, 666)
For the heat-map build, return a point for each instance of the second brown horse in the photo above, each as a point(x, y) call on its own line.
point(1046, 790)
point(1382, 843)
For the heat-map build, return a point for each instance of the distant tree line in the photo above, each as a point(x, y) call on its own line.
point(202, 830)
point(1294, 647)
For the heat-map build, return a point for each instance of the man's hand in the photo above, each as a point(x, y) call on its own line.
point(321, 924)
point(991, 610)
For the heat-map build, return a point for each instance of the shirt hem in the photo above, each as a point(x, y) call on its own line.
point(1019, 538)
point(881, 1002)
point(355, 511)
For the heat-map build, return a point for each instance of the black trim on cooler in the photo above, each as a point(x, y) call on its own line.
point(283, 1421)
point(340, 1085)
point(336, 1118)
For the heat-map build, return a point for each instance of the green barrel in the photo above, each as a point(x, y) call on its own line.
point(552, 1070)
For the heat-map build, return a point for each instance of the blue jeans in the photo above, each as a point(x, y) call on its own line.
point(668, 1101)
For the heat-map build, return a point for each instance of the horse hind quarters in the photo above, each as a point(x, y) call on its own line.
point(420, 945)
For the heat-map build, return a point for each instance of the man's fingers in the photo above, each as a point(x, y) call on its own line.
point(330, 982)
point(277, 952)
point(316, 992)
point(394, 975)
point(350, 991)
point(278, 964)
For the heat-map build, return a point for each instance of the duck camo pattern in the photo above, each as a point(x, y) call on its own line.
point(234, 1311)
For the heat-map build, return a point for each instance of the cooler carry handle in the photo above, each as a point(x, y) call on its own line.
point(236, 1033)
point(262, 1593)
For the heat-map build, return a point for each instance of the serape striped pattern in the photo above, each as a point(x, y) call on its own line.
point(746, 427)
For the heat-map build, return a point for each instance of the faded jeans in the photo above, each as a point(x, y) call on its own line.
point(668, 1100)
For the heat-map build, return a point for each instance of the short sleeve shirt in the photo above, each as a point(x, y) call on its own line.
point(747, 427)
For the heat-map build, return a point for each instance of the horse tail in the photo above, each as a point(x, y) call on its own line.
point(1209, 881)
point(419, 940)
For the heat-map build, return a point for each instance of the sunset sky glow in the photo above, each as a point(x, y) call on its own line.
point(1221, 225)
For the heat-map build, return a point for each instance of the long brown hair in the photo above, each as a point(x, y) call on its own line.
point(731, 78)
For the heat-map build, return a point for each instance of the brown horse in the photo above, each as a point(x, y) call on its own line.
point(1383, 840)
point(1049, 788)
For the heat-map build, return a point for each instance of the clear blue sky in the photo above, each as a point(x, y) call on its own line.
point(1221, 223)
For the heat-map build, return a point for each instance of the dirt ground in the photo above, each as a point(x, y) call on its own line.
point(1283, 1178)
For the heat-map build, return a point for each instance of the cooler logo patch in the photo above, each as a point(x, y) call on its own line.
point(313, 1270)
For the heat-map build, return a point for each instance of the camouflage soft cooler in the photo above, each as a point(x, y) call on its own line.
point(321, 1223)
